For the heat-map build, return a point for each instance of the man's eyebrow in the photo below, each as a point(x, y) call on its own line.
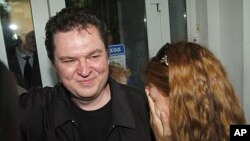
point(65, 57)
point(91, 53)
point(96, 51)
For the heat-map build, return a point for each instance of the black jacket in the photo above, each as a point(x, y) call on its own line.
point(46, 115)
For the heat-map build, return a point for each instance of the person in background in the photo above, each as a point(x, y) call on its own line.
point(190, 95)
point(9, 111)
point(23, 61)
point(86, 104)
point(119, 73)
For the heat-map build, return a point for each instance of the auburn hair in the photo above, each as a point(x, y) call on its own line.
point(203, 103)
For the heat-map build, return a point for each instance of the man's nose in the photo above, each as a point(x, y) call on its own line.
point(84, 68)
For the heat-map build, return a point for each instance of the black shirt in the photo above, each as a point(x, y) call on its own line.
point(94, 125)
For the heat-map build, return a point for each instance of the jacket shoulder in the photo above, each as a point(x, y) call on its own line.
point(36, 100)
point(134, 94)
point(35, 111)
point(35, 96)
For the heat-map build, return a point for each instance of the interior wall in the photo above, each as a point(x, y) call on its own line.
point(202, 23)
point(231, 19)
point(226, 39)
point(246, 58)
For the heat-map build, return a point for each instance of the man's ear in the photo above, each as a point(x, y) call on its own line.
point(54, 72)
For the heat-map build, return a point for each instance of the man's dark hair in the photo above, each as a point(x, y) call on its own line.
point(72, 18)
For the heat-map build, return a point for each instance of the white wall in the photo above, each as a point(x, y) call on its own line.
point(229, 40)
point(213, 25)
point(231, 35)
point(246, 58)
point(202, 21)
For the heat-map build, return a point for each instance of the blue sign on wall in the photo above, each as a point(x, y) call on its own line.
point(117, 54)
point(118, 49)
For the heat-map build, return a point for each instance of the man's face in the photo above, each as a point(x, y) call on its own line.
point(30, 42)
point(81, 62)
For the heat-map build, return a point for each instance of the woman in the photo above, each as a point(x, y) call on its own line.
point(190, 95)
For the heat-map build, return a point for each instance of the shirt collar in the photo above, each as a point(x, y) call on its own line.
point(21, 55)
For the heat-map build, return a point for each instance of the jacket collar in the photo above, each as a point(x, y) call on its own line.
point(62, 107)
point(122, 113)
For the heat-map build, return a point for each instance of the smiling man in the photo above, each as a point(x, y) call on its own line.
point(86, 104)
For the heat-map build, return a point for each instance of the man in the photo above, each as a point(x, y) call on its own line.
point(86, 104)
point(23, 61)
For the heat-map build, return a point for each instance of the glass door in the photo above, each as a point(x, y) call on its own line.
point(19, 43)
point(178, 20)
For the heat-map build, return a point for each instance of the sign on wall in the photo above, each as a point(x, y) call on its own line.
point(117, 54)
